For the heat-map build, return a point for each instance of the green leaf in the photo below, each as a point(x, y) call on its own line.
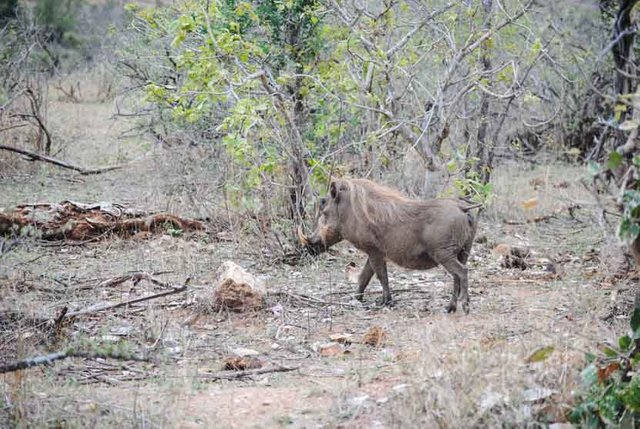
point(628, 230)
point(593, 168)
point(614, 161)
point(630, 396)
point(540, 354)
point(635, 323)
point(589, 375)
point(609, 352)
point(536, 47)
point(624, 342)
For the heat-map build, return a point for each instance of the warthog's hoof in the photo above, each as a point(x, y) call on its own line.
point(359, 297)
point(465, 307)
point(451, 308)
point(384, 302)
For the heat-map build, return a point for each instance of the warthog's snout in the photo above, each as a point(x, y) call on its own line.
point(313, 244)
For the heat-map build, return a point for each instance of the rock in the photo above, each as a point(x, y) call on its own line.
point(561, 426)
point(490, 400)
point(360, 401)
point(242, 352)
point(537, 394)
point(237, 290)
point(341, 338)
point(399, 388)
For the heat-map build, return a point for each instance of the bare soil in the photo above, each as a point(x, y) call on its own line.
point(431, 369)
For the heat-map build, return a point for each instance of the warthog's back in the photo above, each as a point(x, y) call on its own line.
point(423, 230)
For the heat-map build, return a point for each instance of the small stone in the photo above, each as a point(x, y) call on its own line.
point(242, 352)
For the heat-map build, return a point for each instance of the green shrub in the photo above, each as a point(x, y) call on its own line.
point(58, 18)
point(611, 385)
point(8, 9)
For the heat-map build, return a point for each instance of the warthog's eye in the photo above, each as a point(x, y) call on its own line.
point(323, 203)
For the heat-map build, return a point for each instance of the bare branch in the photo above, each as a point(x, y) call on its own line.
point(52, 357)
point(402, 42)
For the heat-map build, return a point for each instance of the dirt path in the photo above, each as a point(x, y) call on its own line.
point(433, 369)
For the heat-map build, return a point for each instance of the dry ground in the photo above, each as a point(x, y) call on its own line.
point(432, 370)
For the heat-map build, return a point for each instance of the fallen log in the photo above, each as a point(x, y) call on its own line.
point(79, 222)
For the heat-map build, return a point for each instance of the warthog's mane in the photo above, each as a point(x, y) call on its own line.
point(379, 204)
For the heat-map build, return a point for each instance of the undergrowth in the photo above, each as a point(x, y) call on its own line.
point(611, 384)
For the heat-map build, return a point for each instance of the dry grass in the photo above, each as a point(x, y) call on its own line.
point(433, 369)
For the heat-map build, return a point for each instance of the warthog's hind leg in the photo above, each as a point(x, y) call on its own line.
point(453, 303)
point(363, 280)
point(459, 272)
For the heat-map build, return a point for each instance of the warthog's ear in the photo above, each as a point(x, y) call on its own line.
point(333, 190)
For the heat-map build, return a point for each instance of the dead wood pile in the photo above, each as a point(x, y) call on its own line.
point(79, 222)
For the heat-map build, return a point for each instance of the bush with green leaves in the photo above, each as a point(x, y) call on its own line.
point(8, 9)
point(248, 69)
point(58, 19)
point(610, 395)
point(291, 92)
point(629, 226)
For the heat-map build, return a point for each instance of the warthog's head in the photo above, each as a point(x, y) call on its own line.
point(329, 220)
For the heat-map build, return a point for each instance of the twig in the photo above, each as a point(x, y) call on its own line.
point(543, 218)
point(508, 280)
point(11, 127)
point(226, 375)
point(125, 303)
point(311, 300)
point(412, 290)
point(135, 277)
point(48, 359)
point(37, 157)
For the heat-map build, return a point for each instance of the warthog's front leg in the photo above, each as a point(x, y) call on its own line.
point(379, 266)
point(363, 280)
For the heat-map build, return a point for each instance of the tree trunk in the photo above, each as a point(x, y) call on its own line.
point(299, 173)
point(623, 57)
point(484, 148)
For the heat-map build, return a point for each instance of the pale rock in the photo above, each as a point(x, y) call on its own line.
point(237, 290)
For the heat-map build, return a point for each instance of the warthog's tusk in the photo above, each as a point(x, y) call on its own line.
point(303, 238)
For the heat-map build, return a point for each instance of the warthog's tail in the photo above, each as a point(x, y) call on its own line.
point(466, 205)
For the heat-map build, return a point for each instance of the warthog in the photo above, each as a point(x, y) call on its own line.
point(387, 226)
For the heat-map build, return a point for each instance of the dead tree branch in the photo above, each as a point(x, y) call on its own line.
point(37, 157)
point(125, 303)
point(235, 375)
point(52, 357)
